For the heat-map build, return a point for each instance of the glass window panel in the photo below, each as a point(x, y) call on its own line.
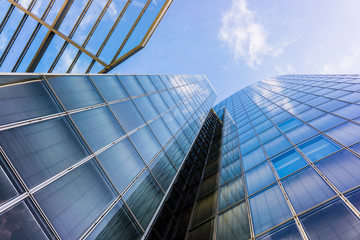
point(163, 170)
point(98, 126)
point(259, 177)
point(146, 143)
point(122, 163)
point(146, 108)
point(310, 114)
point(231, 193)
point(230, 171)
point(73, 202)
point(347, 133)
point(342, 169)
point(280, 117)
point(146, 83)
point(318, 147)
point(269, 134)
point(74, 91)
point(317, 101)
point(268, 209)
point(350, 111)
point(161, 131)
point(24, 101)
point(306, 189)
point(249, 145)
point(158, 102)
point(7, 190)
point(262, 126)
point(327, 121)
point(331, 220)
point(204, 208)
point(41, 150)
point(109, 87)
point(204, 231)
point(234, 224)
point(287, 231)
point(168, 99)
point(288, 163)
point(171, 122)
point(289, 124)
point(117, 224)
point(354, 198)
point(356, 148)
point(131, 84)
point(332, 105)
point(301, 133)
point(178, 116)
point(276, 146)
point(157, 82)
point(18, 222)
point(143, 198)
point(128, 115)
point(253, 158)
point(352, 97)
point(175, 153)
point(248, 134)
point(166, 81)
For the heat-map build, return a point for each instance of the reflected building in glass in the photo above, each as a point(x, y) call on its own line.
point(81, 36)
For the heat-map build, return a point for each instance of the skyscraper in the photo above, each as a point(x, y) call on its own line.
point(130, 157)
point(74, 36)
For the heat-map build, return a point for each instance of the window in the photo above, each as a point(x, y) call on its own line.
point(318, 147)
point(259, 177)
point(146, 108)
point(288, 163)
point(289, 124)
point(347, 133)
point(326, 121)
point(349, 112)
point(253, 158)
point(276, 146)
point(109, 87)
point(132, 85)
point(128, 115)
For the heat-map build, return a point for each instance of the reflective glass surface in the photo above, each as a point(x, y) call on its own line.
point(318, 147)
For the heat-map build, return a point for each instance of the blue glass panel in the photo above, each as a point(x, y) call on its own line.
point(98, 126)
point(327, 121)
point(269, 134)
point(117, 224)
point(351, 111)
point(281, 117)
point(109, 87)
point(352, 97)
point(158, 102)
point(41, 150)
point(234, 224)
point(306, 189)
point(7, 190)
point(259, 177)
point(230, 171)
point(163, 170)
point(231, 193)
point(76, 200)
point(146, 83)
point(342, 169)
point(175, 153)
point(356, 148)
point(248, 134)
point(253, 158)
point(268, 209)
point(128, 115)
point(249, 145)
point(168, 99)
point(289, 124)
point(143, 198)
point(146, 108)
point(318, 147)
point(171, 122)
point(157, 82)
point(161, 131)
point(146, 143)
point(331, 221)
point(276, 146)
point(331, 105)
point(347, 133)
point(317, 101)
point(301, 133)
point(24, 101)
point(122, 163)
point(287, 231)
point(74, 91)
point(131, 85)
point(354, 198)
point(310, 114)
point(19, 223)
point(288, 163)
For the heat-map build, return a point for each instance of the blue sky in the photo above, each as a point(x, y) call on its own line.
point(238, 42)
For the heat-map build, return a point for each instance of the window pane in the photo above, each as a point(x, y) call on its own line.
point(289, 124)
point(128, 115)
point(268, 209)
point(143, 198)
point(109, 87)
point(171, 122)
point(131, 85)
point(234, 224)
point(73, 202)
point(146, 143)
point(331, 220)
point(310, 114)
point(331, 105)
point(163, 170)
point(157, 82)
point(122, 163)
point(41, 150)
point(161, 131)
point(259, 177)
point(146, 83)
point(354, 198)
point(175, 153)
point(231, 193)
point(117, 224)
point(19, 223)
point(342, 169)
point(230, 171)
point(253, 158)
point(168, 99)
point(301, 133)
point(288, 163)
point(98, 126)
point(146, 108)
point(347, 133)
point(287, 231)
point(7, 190)
point(327, 121)
point(349, 112)
point(318, 147)
point(24, 101)
point(276, 146)
point(74, 91)
point(269, 134)
point(306, 189)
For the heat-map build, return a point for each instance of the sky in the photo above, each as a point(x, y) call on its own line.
point(238, 42)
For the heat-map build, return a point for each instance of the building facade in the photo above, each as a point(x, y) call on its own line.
point(67, 36)
point(92, 156)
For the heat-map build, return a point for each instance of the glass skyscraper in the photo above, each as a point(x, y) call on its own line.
point(81, 36)
point(146, 156)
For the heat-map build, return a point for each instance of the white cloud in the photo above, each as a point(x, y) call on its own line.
point(347, 64)
point(287, 69)
point(246, 38)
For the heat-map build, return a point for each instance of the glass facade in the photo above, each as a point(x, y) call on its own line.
point(74, 36)
point(92, 156)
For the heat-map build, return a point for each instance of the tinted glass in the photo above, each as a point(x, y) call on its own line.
point(109, 87)
point(128, 115)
